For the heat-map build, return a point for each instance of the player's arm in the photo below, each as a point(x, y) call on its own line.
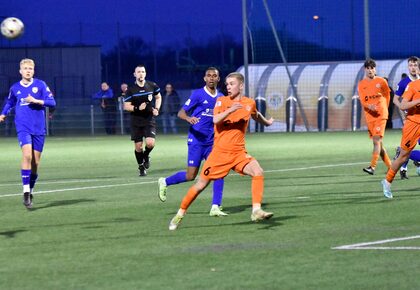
point(10, 103)
point(158, 104)
point(182, 114)
point(217, 118)
point(407, 100)
point(258, 117)
point(386, 91)
point(405, 104)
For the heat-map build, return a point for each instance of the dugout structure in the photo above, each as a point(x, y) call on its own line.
point(327, 92)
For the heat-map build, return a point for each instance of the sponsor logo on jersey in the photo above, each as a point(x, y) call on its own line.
point(35, 90)
point(18, 92)
point(187, 103)
point(23, 102)
point(205, 102)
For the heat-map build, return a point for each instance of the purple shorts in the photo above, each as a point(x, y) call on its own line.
point(37, 141)
point(197, 153)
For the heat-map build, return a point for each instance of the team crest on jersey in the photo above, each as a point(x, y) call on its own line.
point(248, 108)
point(150, 97)
point(34, 90)
point(378, 86)
point(218, 103)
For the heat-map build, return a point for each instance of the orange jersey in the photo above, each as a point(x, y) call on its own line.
point(229, 134)
point(374, 92)
point(412, 92)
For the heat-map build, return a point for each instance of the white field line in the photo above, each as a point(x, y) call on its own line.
point(80, 188)
point(367, 245)
point(136, 183)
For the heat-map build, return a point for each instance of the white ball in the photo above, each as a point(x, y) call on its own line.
point(12, 27)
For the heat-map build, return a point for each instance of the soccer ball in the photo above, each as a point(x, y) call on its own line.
point(12, 27)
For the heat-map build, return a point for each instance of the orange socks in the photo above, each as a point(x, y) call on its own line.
point(386, 160)
point(390, 175)
point(257, 189)
point(374, 161)
point(189, 197)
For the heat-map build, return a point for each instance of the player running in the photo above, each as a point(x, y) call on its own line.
point(375, 96)
point(410, 133)
point(200, 138)
point(231, 118)
point(413, 74)
point(30, 96)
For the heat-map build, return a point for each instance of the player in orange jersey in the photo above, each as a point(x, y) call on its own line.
point(374, 96)
point(231, 117)
point(410, 132)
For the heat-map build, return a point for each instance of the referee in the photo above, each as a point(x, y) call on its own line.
point(143, 100)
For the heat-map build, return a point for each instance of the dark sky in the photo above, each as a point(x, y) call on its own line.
point(392, 22)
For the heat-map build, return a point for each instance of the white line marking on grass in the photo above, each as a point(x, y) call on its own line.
point(366, 246)
point(315, 167)
point(64, 181)
point(79, 188)
point(128, 184)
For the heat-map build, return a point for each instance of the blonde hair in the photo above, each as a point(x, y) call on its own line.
point(27, 61)
point(237, 76)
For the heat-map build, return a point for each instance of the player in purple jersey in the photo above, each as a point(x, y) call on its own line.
point(30, 96)
point(198, 112)
point(413, 74)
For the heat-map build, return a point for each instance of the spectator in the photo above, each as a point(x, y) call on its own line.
point(170, 103)
point(108, 106)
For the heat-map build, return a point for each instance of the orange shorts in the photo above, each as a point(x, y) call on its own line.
point(410, 135)
point(376, 127)
point(218, 164)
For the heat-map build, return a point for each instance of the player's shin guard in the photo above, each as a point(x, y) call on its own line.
point(257, 189)
point(176, 178)
point(189, 197)
point(147, 150)
point(386, 160)
point(139, 157)
point(26, 177)
point(390, 175)
point(218, 191)
point(32, 181)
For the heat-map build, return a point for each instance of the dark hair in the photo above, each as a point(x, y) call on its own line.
point(212, 68)
point(141, 65)
point(413, 59)
point(370, 63)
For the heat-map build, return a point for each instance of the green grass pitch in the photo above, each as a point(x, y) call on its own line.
point(97, 225)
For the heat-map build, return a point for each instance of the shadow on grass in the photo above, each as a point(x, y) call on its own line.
point(62, 203)
point(11, 234)
point(265, 224)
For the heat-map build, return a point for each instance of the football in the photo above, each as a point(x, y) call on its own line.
point(12, 27)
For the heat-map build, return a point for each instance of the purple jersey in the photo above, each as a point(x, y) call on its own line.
point(29, 118)
point(200, 105)
point(402, 85)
